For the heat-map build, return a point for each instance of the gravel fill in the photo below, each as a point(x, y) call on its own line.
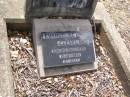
point(100, 83)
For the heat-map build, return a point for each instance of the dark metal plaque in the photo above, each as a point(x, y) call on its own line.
point(67, 48)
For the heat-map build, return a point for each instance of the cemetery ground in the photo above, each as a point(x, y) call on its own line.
point(120, 12)
point(107, 81)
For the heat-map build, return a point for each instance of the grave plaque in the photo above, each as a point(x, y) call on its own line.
point(63, 46)
point(67, 48)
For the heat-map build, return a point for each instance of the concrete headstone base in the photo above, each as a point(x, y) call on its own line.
point(57, 25)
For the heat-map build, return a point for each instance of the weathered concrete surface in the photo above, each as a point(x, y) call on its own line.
point(8, 9)
point(44, 25)
point(6, 79)
point(114, 37)
point(15, 9)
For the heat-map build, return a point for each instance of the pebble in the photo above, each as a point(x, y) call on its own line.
point(56, 79)
point(72, 77)
point(23, 41)
point(14, 54)
point(102, 50)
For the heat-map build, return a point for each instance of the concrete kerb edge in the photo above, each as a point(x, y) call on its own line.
point(121, 51)
point(6, 81)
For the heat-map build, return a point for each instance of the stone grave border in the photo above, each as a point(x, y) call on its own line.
point(14, 13)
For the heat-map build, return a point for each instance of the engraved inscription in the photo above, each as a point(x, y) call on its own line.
point(67, 48)
point(72, 55)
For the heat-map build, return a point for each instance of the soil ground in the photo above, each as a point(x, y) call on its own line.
point(120, 13)
point(106, 81)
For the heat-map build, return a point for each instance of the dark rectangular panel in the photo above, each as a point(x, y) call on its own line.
point(67, 48)
point(60, 8)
